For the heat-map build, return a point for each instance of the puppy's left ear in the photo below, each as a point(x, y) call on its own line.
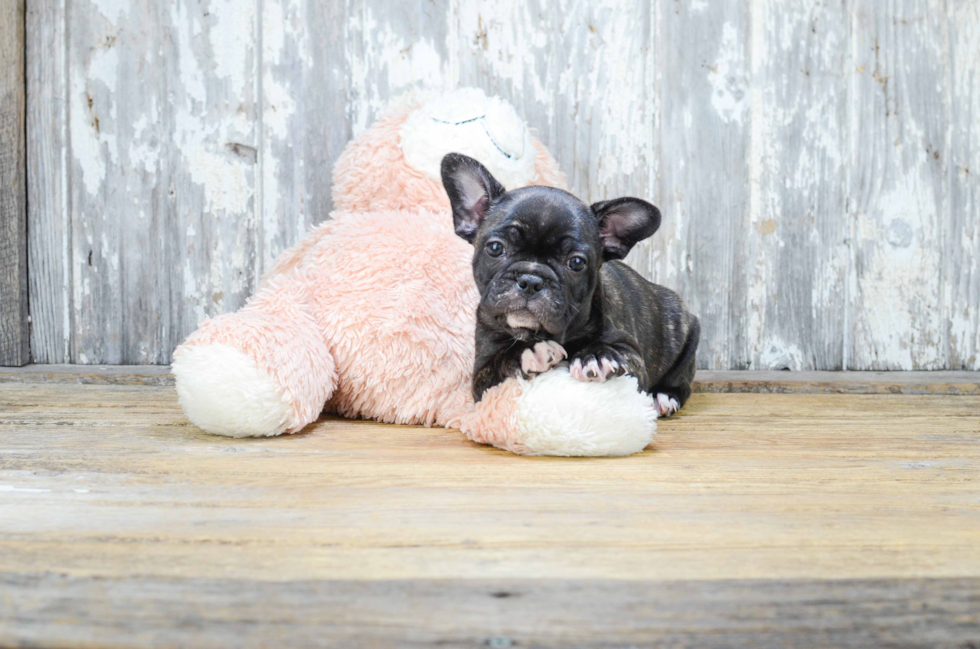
point(471, 189)
point(623, 222)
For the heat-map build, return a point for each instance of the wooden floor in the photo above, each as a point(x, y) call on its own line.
point(816, 520)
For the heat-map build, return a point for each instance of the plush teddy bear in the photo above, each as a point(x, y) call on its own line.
point(372, 315)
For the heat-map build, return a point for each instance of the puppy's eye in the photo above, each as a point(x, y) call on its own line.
point(495, 248)
point(577, 263)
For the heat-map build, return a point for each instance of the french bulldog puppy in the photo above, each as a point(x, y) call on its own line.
point(551, 287)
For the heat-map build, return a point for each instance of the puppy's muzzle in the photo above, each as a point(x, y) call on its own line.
point(529, 284)
point(530, 278)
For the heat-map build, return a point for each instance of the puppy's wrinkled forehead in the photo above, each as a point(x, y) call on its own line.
point(547, 214)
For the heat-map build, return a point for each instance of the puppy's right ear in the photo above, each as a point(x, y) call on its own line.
point(622, 223)
point(471, 189)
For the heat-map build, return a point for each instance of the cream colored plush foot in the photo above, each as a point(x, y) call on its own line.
point(223, 392)
point(558, 415)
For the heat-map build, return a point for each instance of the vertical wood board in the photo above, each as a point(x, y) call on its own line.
point(14, 335)
point(49, 234)
point(212, 70)
point(897, 185)
point(795, 242)
point(816, 165)
point(161, 100)
point(394, 47)
point(304, 124)
point(962, 268)
point(704, 135)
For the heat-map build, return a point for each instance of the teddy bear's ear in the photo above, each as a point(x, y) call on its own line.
point(471, 190)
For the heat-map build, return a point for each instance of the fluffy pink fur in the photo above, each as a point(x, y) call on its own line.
point(492, 421)
point(373, 313)
point(278, 329)
point(372, 173)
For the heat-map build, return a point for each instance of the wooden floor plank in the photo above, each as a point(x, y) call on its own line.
point(111, 499)
point(926, 613)
point(932, 383)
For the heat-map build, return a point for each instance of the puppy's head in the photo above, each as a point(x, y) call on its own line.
point(537, 250)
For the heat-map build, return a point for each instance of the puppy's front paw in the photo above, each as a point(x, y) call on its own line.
point(597, 365)
point(542, 357)
point(667, 406)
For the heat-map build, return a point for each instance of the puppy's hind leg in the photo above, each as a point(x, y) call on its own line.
point(674, 389)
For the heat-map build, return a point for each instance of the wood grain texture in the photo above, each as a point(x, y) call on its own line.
point(213, 63)
point(739, 381)
point(305, 124)
point(752, 520)
point(394, 47)
point(89, 374)
point(604, 147)
point(813, 164)
point(163, 138)
point(962, 272)
point(49, 234)
point(795, 252)
point(898, 185)
point(824, 382)
point(705, 142)
point(112, 480)
point(14, 332)
point(115, 174)
point(45, 610)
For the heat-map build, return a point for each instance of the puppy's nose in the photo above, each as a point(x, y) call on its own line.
point(529, 283)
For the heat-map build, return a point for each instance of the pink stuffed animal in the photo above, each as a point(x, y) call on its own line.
point(372, 315)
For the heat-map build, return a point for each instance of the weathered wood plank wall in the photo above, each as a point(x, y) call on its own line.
point(817, 163)
point(14, 335)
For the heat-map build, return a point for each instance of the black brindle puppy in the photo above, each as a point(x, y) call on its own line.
point(551, 288)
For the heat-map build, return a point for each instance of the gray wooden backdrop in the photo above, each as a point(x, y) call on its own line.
point(817, 162)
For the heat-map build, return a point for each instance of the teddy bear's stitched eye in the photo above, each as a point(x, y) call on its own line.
point(577, 263)
point(495, 248)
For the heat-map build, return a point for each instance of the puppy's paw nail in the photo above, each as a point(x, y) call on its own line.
point(542, 357)
point(592, 371)
point(559, 351)
point(576, 370)
point(549, 352)
point(667, 406)
point(609, 368)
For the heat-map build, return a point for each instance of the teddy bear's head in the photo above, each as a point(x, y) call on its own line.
point(394, 165)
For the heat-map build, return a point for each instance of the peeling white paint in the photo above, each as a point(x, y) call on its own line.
point(232, 36)
point(505, 35)
point(598, 96)
point(112, 10)
point(191, 75)
point(778, 354)
point(897, 287)
point(280, 106)
point(726, 77)
point(384, 64)
point(93, 114)
point(226, 188)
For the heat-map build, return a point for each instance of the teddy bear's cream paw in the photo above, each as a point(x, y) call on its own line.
point(559, 415)
point(542, 357)
point(223, 392)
